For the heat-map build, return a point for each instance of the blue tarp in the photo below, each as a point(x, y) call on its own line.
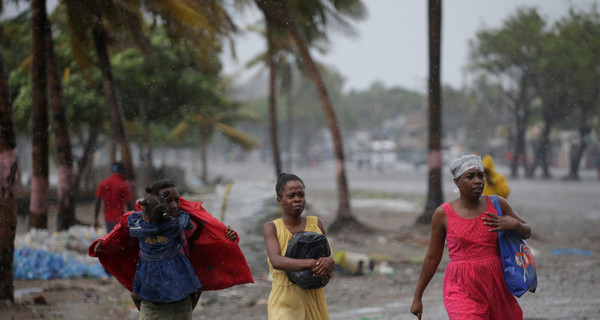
point(33, 264)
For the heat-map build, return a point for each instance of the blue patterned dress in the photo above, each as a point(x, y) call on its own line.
point(163, 273)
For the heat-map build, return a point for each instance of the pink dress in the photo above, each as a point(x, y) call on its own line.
point(474, 285)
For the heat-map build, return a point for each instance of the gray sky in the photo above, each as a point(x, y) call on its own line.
point(392, 43)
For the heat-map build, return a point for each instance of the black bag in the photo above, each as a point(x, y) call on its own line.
point(307, 245)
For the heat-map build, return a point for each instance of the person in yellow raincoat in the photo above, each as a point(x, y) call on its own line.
point(495, 183)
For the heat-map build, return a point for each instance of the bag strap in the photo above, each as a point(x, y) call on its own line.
point(496, 204)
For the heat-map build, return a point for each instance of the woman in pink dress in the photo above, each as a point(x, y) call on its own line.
point(474, 285)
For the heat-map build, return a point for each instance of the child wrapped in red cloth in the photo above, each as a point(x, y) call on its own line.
point(211, 247)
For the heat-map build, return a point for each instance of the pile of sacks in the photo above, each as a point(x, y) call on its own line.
point(40, 254)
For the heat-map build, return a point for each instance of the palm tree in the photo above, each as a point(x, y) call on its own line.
point(66, 201)
point(287, 15)
point(38, 217)
point(271, 29)
point(201, 24)
point(8, 175)
point(279, 46)
point(434, 193)
point(85, 15)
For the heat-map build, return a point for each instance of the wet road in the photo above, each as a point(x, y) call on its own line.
point(563, 214)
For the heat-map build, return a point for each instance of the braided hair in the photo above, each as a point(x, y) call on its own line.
point(156, 209)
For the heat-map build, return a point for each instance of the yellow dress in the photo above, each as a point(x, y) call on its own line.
point(288, 301)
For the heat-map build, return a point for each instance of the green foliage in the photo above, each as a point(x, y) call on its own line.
point(579, 37)
point(561, 63)
point(548, 77)
point(15, 36)
point(21, 92)
point(511, 50)
point(166, 77)
point(86, 106)
point(317, 17)
point(171, 85)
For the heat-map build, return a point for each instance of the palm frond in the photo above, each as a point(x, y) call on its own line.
point(79, 23)
point(237, 137)
point(178, 131)
point(236, 116)
point(196, 118)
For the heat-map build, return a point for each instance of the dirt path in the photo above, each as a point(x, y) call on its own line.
point(562, 214)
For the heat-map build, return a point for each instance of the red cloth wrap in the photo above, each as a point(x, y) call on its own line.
point(217, 260)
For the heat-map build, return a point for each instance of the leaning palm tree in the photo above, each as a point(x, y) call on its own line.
point(305, 21)
point(8, 176)
point(434, 187)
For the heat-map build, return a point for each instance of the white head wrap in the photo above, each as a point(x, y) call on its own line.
point(465, 163)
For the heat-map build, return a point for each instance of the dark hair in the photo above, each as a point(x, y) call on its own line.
point(159, 185)
point(283, 179)
point(154, 207)
point(160, 214)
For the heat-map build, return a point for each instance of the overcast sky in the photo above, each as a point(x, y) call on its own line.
point(392, 43)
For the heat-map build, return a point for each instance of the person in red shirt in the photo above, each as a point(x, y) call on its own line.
point(116, 193)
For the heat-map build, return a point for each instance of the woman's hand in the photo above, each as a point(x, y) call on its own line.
point(500, 223)
point(325, 280)
point(230, 234)
point(323, 267)
point(417, 308)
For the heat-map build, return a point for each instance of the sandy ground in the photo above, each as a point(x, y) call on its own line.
point(562, 214)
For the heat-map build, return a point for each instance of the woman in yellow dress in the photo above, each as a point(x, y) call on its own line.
point(288, 301)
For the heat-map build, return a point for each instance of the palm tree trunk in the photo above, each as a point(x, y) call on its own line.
point(86, 159)
point(289, 130)
point(273, 104)
point(203, 155)
point(277, 12)
point(112, 147)
point(8, 176)
point(66, 203)
point(434, 187)
point(112, 96)
point(344, 216)
point(38, 207)
point(149, 172)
